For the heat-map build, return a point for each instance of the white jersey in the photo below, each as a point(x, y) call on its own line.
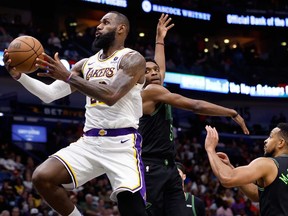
point(126, 111)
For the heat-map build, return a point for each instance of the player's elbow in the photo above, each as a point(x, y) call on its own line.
point(47, 100)
point(110, 100)
point(226, 182)
point(197, 106)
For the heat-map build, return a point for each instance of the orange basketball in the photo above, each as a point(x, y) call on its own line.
point(23, 52)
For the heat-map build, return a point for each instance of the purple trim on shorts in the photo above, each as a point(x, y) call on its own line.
point(110, 132)
point(138, 146)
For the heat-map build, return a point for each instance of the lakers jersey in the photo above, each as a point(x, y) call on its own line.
point(126, 111)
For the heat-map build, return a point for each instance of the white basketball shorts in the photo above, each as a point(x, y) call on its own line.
point(118, 156)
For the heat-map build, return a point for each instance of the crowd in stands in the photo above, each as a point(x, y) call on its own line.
point(17, 195)
point(185, 53)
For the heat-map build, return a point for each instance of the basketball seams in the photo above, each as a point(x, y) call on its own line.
point(24, 41)
point(29, 49)
point(34, 45)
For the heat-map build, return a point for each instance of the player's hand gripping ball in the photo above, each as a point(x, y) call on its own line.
point(23, 52)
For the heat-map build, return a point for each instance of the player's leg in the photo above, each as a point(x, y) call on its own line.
point(131, 204)
point(68, 168)
point(124, 169)
point(174, 198)
point(155, 179)
point(47, 179)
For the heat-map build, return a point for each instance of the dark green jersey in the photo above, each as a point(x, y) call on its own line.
point(157, 132)
point(273, 199)
point(194, 205)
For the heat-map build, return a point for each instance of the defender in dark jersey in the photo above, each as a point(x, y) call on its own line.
point(265, 179)
point(194, 205)
point(163, 182)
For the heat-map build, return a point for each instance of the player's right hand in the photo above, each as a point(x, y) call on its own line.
point(12, 70)
point(53, 66)
point(212, 138)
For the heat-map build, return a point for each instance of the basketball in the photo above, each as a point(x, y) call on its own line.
point(23, 52)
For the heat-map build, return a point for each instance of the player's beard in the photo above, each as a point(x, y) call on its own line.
point(269, 154)
point(104, 41)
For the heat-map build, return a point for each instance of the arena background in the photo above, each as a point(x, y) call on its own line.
point(247, 71)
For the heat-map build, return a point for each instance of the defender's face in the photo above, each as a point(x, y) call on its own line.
point(152, 73)
point(183, 177)
point(271, 142)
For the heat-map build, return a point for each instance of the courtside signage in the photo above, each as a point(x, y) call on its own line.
point(148, 7)
point(256, 21)
point(217, 85)
point(117, 3)
point(223, 86)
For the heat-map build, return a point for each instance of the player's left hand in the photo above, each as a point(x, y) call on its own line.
point(224, 158)
point(239, 120)
point(163, 26)
point(54, 67)
point(12, 70)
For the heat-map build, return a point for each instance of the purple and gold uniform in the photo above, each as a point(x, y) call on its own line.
point(111, 143)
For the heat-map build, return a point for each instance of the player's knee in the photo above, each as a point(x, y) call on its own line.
point(40, 179)
point(131, 204)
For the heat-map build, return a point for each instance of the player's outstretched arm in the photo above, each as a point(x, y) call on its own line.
point(224, 172)
point(132, 67)
point(158, 93)
point(163, 26)
point(244, 177)
point(46, 93)
point(250, 190)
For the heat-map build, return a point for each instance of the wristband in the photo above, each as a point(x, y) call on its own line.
point(235, 115)
point(160, 43)
point(69, 77)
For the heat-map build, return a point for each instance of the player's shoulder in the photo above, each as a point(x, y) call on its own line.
point(79, 65)
point(133, 56)
point(82, 61)
point(263, 159)
point(154, 89)
point(130, 51)
point(266, 163)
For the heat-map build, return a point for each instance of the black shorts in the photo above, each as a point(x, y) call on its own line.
point(164, 192)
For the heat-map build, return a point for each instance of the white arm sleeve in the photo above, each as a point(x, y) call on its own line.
point(47, 93)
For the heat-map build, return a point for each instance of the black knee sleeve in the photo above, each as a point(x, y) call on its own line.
point(131, 204)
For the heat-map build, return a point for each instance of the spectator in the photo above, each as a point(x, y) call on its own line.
point(224, 209)
point(54, 43)
point(5, 38)
point(71, 54)
point(34, 212)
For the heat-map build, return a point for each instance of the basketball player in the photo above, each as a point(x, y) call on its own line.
point(111, 80)
point(163, 183)
point(265, 179)
point(194, 205)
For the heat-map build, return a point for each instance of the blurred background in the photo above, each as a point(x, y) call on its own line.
point(232, 53)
